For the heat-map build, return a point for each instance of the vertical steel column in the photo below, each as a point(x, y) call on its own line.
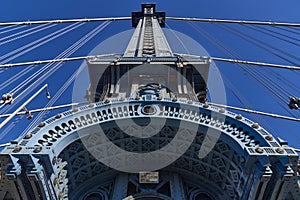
point(148, 39)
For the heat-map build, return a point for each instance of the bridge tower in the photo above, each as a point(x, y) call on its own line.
point(141, 102)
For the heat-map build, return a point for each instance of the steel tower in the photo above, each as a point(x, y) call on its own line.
point(63, 158)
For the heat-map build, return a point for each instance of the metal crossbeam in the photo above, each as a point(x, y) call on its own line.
point(266, 23)
point(59, 21)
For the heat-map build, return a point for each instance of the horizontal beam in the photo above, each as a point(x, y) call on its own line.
point(265, 23)
point(39, 62)
point(262, 64)
point(44, 109)
point(255, 112)
point(192, 19)
point(59, 21)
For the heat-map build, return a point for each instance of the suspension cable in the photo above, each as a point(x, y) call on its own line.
point(261, 44)
point(27, 33)
point(9, 127)
point(267, 83)
point(262, 64)
point(51, 69)
point(280, 33)
point(7, 27)
point(53, 100)
point(34, 43)
point(80, 42)
point(23, 31)
point(44, 109)
point(245, 103)
point(30, 79)
point(15, 77)
point(269, 23)
point(272, 65)
point(44, 61)
point(266, 44)
point(67, 52)
point(269, 32)
point(230, 52)
point(292, 85)
point(288, 29)
point(59, 21)
point(38, 43)
point(258, 43)
point(256, 74)
point(179, 40)
point(256, 112)
point(10, 28)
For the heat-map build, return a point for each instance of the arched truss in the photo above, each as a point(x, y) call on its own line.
point(243, 160)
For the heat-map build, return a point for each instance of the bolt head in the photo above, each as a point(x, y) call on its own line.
point(280, 150)
point(269, 137)
point(205, 105)
point(91, 105)
point(61, 194)
point(28, 136)
point(239, 116)
point(222, 110)
point(17, 149)
point(42, 124)
point(259, 150)
point(37, 149)
point(56, 181)
point(58, 116)
point(54, 160)
point(243, 160)
point(255, 125)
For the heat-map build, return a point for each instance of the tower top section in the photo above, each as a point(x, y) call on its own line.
point(148, 67)
point(148, 10)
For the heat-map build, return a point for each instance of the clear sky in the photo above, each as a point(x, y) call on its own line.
point(246, 87)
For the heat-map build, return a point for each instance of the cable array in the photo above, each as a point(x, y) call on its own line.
point(268, 83)
point(22, 34)
point(42, 74)
point(262, 44)
point(37, 43)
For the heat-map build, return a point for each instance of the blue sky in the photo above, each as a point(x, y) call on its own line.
point(243, 90)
